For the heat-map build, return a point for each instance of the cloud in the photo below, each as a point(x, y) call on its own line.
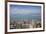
point(22, 11)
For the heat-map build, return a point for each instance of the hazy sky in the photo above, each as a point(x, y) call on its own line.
point(24, 9)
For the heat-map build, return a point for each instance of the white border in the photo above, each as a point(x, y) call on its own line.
point(16, 30)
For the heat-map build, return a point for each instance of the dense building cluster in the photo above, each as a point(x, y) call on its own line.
point(25, 24)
